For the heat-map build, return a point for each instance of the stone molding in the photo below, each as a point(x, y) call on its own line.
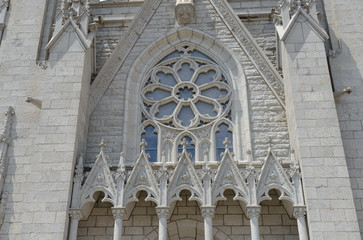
point(253, 51)
point(284, 34)
point(5, 140)
point(117, 58)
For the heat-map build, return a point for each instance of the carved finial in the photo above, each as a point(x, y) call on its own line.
point(294, 166)
point(269, 142)
point(226, 143)
point(143, 145)
point(102, 145)
point(79, 169)
point(185, 143)
point(163, 160)
point(122, 160)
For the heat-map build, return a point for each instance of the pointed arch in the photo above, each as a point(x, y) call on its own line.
point(207, 46)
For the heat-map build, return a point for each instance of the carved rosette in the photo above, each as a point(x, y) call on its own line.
point(118, 212)
point(184, 11)
point(207, 212)
point(162, 212)
point(299, 211)
point(253, 211)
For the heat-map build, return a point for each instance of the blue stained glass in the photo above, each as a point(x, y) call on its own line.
point(151, 139)
point(220, 137)
point(214, 93)
point(166, 110)
point(186, 115)
point(204, 78)
point(185, 73)
point(206, 108)
point(185, 93)
point(201, 55)
point(157, 94)
point(174, 54)
point(190, 148)
point(166, 79)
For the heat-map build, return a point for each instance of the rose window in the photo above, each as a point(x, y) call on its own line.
point(186, 90)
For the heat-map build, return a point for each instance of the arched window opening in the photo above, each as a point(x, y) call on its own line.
point(223, 132)
point(186, 91)
point(151, 137)
point(190, 147)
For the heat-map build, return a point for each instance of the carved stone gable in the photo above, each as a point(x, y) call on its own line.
point(99, 179)
point(273, 176)
point(185, 177)
point(141, 178)
point(229, 177)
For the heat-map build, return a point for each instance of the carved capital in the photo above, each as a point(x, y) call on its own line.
point(299, 211)
point(207, 211)
point(75, 213)
point(253, 211)
point(162, 212)
point(118, 212)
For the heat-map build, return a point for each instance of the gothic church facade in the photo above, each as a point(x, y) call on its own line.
point(181, 119)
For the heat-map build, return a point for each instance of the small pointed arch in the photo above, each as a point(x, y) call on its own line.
point(185, 178)
point(89, 199)
point(221, 130)
point(191, 146)
point(273, 176)
point(229, 177)
point(149, 132)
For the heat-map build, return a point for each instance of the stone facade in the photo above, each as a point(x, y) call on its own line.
point(274, 86)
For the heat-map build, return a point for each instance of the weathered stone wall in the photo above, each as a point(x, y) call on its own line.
point(347, 71)
point(186, 221)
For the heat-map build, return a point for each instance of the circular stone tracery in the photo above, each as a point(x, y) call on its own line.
point(186, 90)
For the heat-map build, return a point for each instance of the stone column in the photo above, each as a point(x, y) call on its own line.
point(118, 214)
point(299, 213)
point(75, 215)
point(208, 214)
point(162, 213)
point(253, 212)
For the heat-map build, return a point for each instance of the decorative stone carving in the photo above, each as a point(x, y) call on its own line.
point(118, 212)
point(253, 211)
point(5, 140)
point(207, 211)
point(99, 179)
point(75, 214)
point(162, 212)
point(229, 177)
point(273, 176)
point(4, 7)
point(185, 177)
point(299, 211)
point(3, 201)
point(184, 11)
point(141, 178)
